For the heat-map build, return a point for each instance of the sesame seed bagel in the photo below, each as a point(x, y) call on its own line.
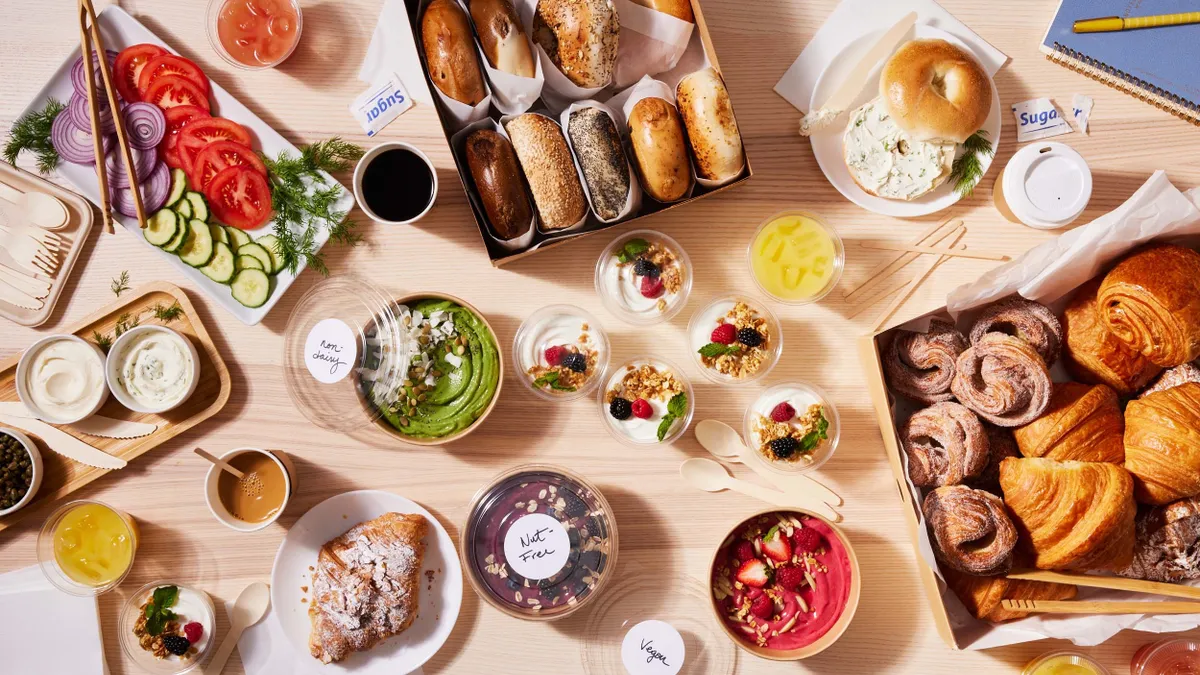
point(936, 91)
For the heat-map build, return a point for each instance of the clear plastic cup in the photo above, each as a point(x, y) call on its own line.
point(212, 23)
point(797, 394)
point(640, 433)
point(193, 605)
point(1166, 657)
point(615, 285)
point(704, 321)
point(1042, 664)
point(559, 325)
point(48, 561)
point(838, 262)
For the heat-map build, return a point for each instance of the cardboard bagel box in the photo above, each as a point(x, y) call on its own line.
point(1049, 274)
point(458, 121)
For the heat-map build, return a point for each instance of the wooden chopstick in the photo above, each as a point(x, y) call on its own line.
point(1101, 607)
point(876, 295)
point(118, 121)
point(893, 263)
point(85, 48)
point(888, 246)
point(912, 285)
point(1111, 583)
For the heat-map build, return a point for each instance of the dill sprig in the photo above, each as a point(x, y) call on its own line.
point(120, 284)
point(128, 321)
point(32, 133)
point(304, 201)
point(968, 168)
point(102, 341)
point(167, 314)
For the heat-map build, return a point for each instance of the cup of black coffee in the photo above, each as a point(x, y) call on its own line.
point(395, 183)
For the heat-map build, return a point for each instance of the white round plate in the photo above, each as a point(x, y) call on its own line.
point(438, 608)
point(828, 148)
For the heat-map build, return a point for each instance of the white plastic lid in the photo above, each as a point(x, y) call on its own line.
point(1047, 185)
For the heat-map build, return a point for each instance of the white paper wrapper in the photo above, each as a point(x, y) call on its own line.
point(652, 42)
point(1048, 274)
point(458, 143)
point(633, 202)
point(559, 91)
point(511, 94)
point(648, 88)
point(578, 174)
point(461, 113)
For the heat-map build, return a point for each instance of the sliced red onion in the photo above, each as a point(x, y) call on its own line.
point(143, 163)
point(72, 143)
point(154, 192)
point(81, 114)
point(79, 79)
point(145, 125)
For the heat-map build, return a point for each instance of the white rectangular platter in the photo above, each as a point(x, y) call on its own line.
point(120, 30)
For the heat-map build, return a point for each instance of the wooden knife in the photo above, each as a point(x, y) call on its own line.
point(14, 296)
point(65, 444)
point(96, 425)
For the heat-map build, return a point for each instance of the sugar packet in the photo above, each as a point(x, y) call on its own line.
point(1038, 118)
point(1081, 109)
point(376, 107)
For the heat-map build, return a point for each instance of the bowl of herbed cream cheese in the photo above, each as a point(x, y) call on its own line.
point(152, 369)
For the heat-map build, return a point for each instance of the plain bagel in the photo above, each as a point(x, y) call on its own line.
point(936, 91)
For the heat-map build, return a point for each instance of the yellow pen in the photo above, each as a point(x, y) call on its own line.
point(1116, 23)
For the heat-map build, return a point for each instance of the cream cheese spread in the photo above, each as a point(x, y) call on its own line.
point(885, 160)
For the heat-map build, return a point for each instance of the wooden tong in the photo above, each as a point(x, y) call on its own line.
point(1105, 607)
point(90, 38)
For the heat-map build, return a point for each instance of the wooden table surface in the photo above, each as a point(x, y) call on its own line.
point(667, 528)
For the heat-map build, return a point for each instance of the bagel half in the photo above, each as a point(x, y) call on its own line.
point(936, 91)
point(888, 162)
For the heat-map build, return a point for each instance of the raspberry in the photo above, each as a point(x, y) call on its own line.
point(724, 334)
point(554, 355)
point(783, 412)
point(619, 409)
point(750, 337)
point(807, 540)
point(642, 409)
point(193, 631)
point(651, 287)
point(762, 607)
point(789, 577)
point(744, 550)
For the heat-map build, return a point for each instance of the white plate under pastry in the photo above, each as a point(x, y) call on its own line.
point(438, 607)
point(828, 145)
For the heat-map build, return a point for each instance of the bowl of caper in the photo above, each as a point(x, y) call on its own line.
point(20, 470)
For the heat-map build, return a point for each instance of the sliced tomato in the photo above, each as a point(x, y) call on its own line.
point(170, 91)
point(171, 64)
point(218, 156)
point(178, 116)
point(129, 65)
point(239, 196)
point(198, 133)
point(168, 151)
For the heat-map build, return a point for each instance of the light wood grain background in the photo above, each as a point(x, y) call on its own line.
point(667, 528)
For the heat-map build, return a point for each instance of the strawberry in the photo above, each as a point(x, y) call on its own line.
point(651, 287)
point(762, 607)
point(754, 572)
point(724, 334)
point(807, 540)
point(783, 412)
point(744, 550)
point(776, 545)
point(789, 577)
point(641, 409)
point(555, 354)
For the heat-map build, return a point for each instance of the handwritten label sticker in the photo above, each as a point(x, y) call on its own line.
point(537, 546)
point(652, 647)
point(330, 351)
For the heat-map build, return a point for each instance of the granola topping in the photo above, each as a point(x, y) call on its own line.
point(645, 381)
point(798, 429)
point(738, 360)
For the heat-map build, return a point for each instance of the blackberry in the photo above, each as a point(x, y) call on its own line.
point(645, 268)
point(575, 508)
point(750, 337)
point(177, 644)
point(575, 361)
point(783, 447)
point(620, 409)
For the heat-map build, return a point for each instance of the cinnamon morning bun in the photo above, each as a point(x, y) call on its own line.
point(971, 530)
point(945, 444)
point(1031, 321)
point(921, 365)
point(1003, 380)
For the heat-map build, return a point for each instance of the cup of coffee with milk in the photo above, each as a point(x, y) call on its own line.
point(259, 497)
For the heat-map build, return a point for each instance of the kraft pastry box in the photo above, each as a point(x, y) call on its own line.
point(1049, 274)
point(656, 51)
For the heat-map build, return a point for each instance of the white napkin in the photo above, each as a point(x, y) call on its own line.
point(853, 18)
point(393, 50)
point(35, 617)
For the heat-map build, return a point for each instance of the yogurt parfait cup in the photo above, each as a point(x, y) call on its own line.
point(647, 401)
point(796, 257)
point(792, 427)
point(644, 277)
point(540, 542)
point(735, 340)
point(166, 646)
point(562, 352)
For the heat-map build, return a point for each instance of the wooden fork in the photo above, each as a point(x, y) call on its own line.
point(50, 240)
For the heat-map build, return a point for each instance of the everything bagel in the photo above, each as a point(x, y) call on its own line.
point(936, 91)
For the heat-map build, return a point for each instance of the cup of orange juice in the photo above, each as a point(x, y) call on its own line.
point(87, 547)
point(254, 34)
point(796, 258)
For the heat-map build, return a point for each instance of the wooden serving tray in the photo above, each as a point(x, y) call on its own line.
point(63, 476)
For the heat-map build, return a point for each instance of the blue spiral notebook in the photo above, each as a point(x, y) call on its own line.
point(1158, 65)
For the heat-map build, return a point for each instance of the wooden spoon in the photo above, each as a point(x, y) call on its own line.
point(221, 464)
point(723, 441)
point(251, 605)
point(44, 210)
point(712, 477)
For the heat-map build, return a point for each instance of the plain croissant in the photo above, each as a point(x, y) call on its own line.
point(1071, 515)
point(1162, 444)
point(1083, 423)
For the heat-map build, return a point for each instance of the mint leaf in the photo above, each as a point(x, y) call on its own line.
point(677, 406)
point(635, 247)
point(155, 624)
point(770, 533)
point(165, 597)
point(551, 380)
point(714, 349)
point(814, 437)
point(664, 427)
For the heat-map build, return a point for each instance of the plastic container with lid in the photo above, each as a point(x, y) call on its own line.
point(1064, 662)
point(1045, 186)
point(539, 543)
point(1167, 657)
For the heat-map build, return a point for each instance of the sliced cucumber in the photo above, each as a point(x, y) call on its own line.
point(198, 250)
point(271, 243)
point(237, 238)
point(248, 262)
point(161, 227)
point(179, 184)
point(184, 208)
point(251, 288)
point(181, 235)
point(221, 268)
point(199, 205)
point(219, 233)
point(258, 251)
